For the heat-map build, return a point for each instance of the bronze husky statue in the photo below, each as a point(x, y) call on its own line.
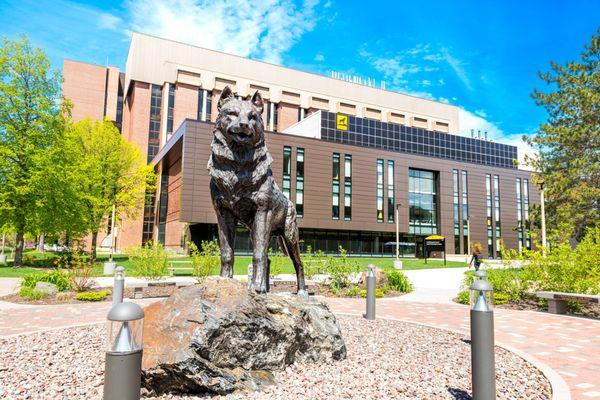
point(243, 190)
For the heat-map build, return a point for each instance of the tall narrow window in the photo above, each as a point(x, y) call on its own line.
point(379, 190)
point(465, 210)
point(154, 129)
point(526, 212)
point(171, 106)
point(208, 105)
point(422, 195)
point(163, 206)
point(335, 187)
point(390, 194)
point(287, 170)
point(519, 214)
point(275, 117)
point(456, 207)
point(300, 182)
point(148, 224)
point(347, 187)
point(490, 228)
point(497, 211)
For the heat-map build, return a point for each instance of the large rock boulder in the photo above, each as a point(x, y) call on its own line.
point(381, 279)
point(219, 336)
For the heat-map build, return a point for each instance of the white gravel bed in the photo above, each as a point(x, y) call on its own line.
point(386, 360)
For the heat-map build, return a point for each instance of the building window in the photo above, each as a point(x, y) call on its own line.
point(465, 210)
point(287, 170)
point(456, 207)
point(204, 105)
point(300, 182)
point(162, 206)
point(526, 209)
point(488, 202)
point(119, 120)
point(379, 190)
point(519, 214)
point(154, 130)
point(347, 187)
point(148, 225)
point(497, 211)
point(390, 194)
point(170, 109)
point(335, 189)
point(422, 192)
point(272, 119)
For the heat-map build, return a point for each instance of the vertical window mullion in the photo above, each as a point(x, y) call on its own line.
point(300, 182)
point(347, 187)
point(379, 190)
point(391, 195)
point(287, 170)
point(335, 187)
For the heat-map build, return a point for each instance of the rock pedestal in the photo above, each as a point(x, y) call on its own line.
point(218, 337)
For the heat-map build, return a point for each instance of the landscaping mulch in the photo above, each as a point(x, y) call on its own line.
point(64, 298)
point(386, 360)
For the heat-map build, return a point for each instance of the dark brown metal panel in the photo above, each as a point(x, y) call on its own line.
point(197, 207)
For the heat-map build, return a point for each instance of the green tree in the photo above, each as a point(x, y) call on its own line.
point(109, 170)
point(30, 120)
point(569, 142)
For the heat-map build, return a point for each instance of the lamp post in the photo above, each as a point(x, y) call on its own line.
point(119, 285)
point(482, 339)
point(2, 255)
point(543, 215)
point(371, 283)
point(109, 266)
point(123, 367)
point(397, 262)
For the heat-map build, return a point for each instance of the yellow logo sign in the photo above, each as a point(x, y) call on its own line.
point(342, 122)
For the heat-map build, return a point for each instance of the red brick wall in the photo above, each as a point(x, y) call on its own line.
point(84, 85)
point(288, 116)
point(185, 105)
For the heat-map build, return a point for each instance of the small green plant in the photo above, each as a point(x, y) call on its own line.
point(313, 262)
point(379, 292)
point(92, 296)
point(352, 291)
point(363, 293)
point(80, 271)
point(277, 260)
point(500, 298)
point(399, 282)
point(340, 269)
point(150, 261)
point(463, 297)
point(31, 293)
point(56, 277)
point(206, 260)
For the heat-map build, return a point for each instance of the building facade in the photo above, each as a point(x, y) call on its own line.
point(354, 159)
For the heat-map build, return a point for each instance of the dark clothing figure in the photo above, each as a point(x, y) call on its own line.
point(476, 261)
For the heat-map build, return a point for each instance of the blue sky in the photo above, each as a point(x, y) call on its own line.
point(482, 56)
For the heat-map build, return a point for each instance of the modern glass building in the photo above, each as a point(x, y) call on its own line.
point(356, 160)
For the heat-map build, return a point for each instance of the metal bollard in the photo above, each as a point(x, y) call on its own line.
point(371, 284)
point(119, 285)
point(482, 341)
point(123, 362)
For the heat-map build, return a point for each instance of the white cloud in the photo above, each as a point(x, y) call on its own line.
point(319, 57)
point(264, 30)
point(109, 21)
point(458, 67)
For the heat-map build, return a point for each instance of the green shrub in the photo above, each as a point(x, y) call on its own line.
point(567, 269)
point(512, 282)
point(276, 263)
point(206, 260)
point(363, 293)
point(150, 261)
point(501, 298)
point(59, 278)
point(352, 291)
point(399, 282)
point(463, 297)
point(92, 296)
point(31, 293)
point(378, 293)
point(313, 262)
point(340, 270)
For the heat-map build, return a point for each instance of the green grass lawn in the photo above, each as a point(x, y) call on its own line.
point(240, 266)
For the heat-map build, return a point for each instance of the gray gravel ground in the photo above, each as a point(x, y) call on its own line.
point(386, 360)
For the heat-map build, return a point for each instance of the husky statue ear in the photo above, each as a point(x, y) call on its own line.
point(226, 95)
point(257, 100)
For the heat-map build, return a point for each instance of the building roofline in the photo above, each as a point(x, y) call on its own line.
point(288, 68)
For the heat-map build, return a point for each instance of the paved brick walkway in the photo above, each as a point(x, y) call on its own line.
point(569, 346)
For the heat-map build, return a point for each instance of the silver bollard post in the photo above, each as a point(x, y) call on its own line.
point(123, 368)
point(119, 285)
point(483, 368)
point(371, 283)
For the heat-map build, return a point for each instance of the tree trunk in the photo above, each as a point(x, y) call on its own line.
point(40, 246)
point(93, 252)
point(19, 249)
